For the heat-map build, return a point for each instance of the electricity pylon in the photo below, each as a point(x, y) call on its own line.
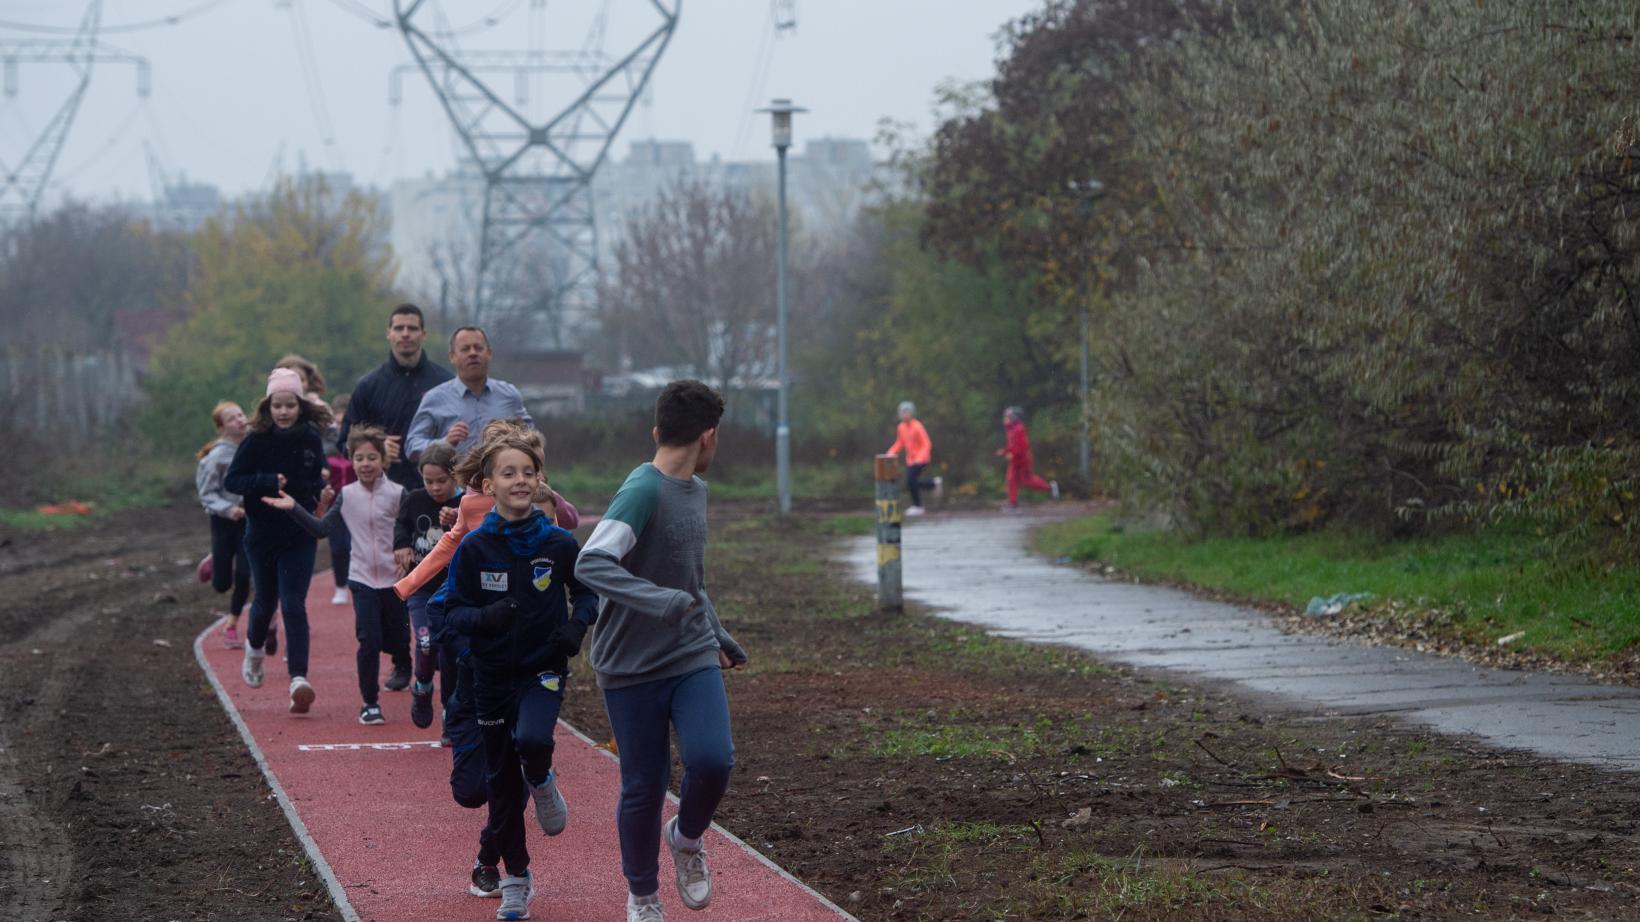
point(22, 186)
point(538, 209)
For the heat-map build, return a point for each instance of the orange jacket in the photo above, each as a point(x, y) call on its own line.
point(474, 507)
point(912, 437)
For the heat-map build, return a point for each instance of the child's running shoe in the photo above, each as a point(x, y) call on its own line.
point(486, 880)
point(516, 893)
point(644, 908)
point(272, 646)
point(694, 879)
point(230, 638)
point(301, 695)
point(550, 810)
point(371, 715)
point(399, 680)
point(251, 670)
point(340, 596)
point(206, 569)
point(421, 705)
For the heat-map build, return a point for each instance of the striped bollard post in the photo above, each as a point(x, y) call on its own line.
point(889, 518)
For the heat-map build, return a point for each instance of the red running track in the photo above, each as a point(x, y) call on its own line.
point(372, 805)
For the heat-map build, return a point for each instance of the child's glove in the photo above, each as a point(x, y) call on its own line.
point(497, 617)
point(565, 639)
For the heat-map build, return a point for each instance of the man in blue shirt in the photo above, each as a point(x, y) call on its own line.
point(457, 410)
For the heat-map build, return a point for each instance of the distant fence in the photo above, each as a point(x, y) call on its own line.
point(48, 392)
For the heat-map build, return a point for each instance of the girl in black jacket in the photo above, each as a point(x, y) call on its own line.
point(282, 452)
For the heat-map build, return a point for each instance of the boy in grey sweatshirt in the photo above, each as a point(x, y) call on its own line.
point(659, 650)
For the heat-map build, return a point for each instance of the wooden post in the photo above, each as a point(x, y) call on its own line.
point(889, 518)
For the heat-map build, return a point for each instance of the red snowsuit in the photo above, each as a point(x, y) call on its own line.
point(1019, 463)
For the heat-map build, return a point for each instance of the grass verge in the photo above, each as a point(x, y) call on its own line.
point(1486, 585)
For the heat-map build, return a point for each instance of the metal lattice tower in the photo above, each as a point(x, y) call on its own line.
point(538, 240)
point(22, 185)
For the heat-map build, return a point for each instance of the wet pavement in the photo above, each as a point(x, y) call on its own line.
point(977, 569)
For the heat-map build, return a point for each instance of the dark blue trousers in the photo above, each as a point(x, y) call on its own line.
point(281, 570)
point(517, 716)
point(642, 716)
point(230, 568)
point(381, 626)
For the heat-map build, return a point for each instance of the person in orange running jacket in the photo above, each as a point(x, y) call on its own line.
point(912, 438)
point(1018, 453)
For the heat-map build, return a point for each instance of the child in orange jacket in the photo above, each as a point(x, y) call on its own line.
point(919, 451)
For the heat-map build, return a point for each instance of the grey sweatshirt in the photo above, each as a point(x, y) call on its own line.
point(647, 562)
point(209, 477)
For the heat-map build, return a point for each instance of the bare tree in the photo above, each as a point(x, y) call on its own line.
point(693, 285)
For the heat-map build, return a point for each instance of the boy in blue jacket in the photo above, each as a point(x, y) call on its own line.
point(512, 591)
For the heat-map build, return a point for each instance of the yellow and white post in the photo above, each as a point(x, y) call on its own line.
point(889, 518)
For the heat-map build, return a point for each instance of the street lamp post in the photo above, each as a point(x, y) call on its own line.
point(781, 112)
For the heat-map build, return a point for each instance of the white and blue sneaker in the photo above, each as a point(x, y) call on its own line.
point(516, 893)
point(550, 810)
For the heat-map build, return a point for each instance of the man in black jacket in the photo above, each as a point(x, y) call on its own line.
point(389, 395)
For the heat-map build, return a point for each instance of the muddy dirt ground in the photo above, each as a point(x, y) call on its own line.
point(907, 767)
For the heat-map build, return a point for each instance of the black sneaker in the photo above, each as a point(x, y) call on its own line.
point(371, 714)
point(272, 646)
point(399, 680)
point(421, 705)
point(486, 881)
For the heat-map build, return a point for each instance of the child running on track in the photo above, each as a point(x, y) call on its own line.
point(367, 510)
point(229, 568)
point(424, 516)
point(1018, 453)
point(919, 451)
point(282, 453)
point(512, 591)
point(660, 650)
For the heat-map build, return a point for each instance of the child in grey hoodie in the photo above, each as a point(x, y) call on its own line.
point(659, 650)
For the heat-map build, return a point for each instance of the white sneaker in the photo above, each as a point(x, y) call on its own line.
point(694, 879)
point(644, 908)
point(1053, 488)
point(550, 810)
point(301, 694)
point(339, 597)
point(251, 671)
point(939, 487)
point(914, 510)
point(516, 893)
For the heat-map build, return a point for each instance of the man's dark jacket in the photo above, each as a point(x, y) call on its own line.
point(387, 396)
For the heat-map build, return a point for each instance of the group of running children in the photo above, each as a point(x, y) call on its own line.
point(479, 562)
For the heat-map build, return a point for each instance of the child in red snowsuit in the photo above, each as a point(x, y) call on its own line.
point(1018, 453)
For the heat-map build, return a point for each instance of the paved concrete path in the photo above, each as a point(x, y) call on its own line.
point(979, 570)
point(372, 805)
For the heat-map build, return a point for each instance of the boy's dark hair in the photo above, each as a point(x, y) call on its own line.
point(366, 435)
point(439, 454)
point(408, 308)
point(684, 410)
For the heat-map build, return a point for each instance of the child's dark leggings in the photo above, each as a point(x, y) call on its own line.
point(230, 568)
point(641, 716)
point(430, 656)
point(281, 570)
point(467, 784)
point(517, 720)
point(381, 626)
point(341, 555)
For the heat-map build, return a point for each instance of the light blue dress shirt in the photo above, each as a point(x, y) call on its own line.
point(446, 403)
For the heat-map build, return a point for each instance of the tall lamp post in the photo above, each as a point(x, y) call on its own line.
point(781, 112)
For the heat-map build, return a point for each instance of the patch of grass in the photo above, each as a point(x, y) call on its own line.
point(143, 486)
point(1492, 583)
point(922, 736)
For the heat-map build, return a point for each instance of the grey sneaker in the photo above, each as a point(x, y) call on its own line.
point(251, 671)
point(516, 893)
point(644, 908)
point(550, 810)
point(694, 879)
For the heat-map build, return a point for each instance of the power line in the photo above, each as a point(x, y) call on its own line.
point(310, 77)
point(493, 18)
point(137, 25)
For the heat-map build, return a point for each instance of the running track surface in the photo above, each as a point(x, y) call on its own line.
point(373, 808)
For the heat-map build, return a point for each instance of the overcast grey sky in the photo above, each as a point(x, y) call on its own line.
point(229, 90)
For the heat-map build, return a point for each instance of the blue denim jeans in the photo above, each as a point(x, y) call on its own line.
point(281, 570)
point(642, 717)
